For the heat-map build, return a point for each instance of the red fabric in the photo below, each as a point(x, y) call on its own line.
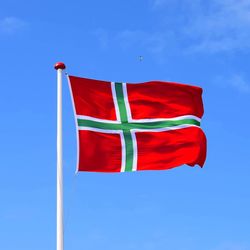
point(169, 149)
point(164, 100)
point(99, 152)
point(102, 152)
point(93, 98)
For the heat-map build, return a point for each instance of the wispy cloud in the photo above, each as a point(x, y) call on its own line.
point(10, 25)
point(224, 26)
point(211, 26)
point(161, 3)
point(158, 3)
point(102, 36)
point(236, 81)
point(189, 26)
point(154, 43)
point(231, 246)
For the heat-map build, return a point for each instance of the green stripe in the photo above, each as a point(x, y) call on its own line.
point(129, 150)
point(124, 127)
point(120, 100)
point(128, 126)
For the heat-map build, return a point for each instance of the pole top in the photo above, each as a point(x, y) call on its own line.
point(59, 65)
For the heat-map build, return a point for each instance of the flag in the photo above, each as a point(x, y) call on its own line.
point(144, 126)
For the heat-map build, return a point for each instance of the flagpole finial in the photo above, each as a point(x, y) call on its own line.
point(59, 65)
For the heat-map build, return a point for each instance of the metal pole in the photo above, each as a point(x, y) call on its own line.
point(59, 67)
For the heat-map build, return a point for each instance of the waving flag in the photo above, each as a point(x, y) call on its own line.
point(144, 126)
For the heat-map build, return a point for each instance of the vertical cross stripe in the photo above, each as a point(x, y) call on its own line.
point(129, 149)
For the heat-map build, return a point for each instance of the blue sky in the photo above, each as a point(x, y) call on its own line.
point(205, 43)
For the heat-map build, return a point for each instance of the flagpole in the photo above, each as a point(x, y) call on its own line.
point(59, 230)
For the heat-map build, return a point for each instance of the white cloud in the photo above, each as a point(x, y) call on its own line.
point(211, 26)
point(10, 25)
point(154, 42)
point(161, 3)
point(189, 26)
point(158, 3)
point(231, 246)
point(102, 36)
point(236, 81)
point(224, 26)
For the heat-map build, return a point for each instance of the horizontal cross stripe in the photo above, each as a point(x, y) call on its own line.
point(129, 126)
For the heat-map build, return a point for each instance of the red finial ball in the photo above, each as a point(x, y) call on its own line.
point(59, 65)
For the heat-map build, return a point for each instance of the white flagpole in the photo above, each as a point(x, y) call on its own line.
point(59, 240)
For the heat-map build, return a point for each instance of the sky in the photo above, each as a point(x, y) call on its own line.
point(204, 43)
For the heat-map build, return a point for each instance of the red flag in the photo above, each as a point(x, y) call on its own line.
point(144, 126)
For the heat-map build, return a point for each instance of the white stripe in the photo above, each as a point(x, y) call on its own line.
point(106, 131)
point(135, 155)
point(123, 153)
point(165, 129)
point(85, 117)
point(166, 119)
point(127, 106)
point(118, 116)
point(128, 111)
point(113, 131)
